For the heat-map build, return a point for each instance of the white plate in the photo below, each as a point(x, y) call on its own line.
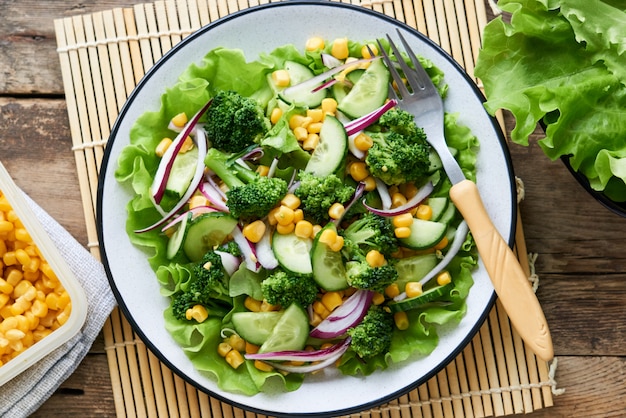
point(261, 29)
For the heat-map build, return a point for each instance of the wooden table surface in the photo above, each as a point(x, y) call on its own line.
point(581, 246)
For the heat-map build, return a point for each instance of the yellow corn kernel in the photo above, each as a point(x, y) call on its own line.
point(254, 231)
point(251, 348)
point(198, 201)
point(5, 287)
point(401, 320)
point(328, 237)
point(378, 298)
point(424, 212)
point(363, 142)
point(409, 190)
point(47, 270)
point(300, 133)
point(397, 199)
point(162, 147)
point(252, 304)
point(4, 298)
point(32, 267)
point(392, 290)
point(268, 307)
point(275, 115)
point(281, 78)
point(199, 313)
point(303, 229)
point(365, 51)
point(442, 244)
point(52, 300)
point(9, 258)
point(39, 309)
point(320, 309)
point(21, 234)
point(6, 226)
point(336, 210)
point(316, 230)
point(374, 258)
point(311, 141)
point(337, 245)
point(404, 219)
point(65, 315)
point(237, 343)
point(316, 115)
point(180, 120)
point(358, 170)
point(285, 229)
point(329, 106)
point(331, 300)
point(339, 49)
point(14, 335)
point(402, 232)
point(64, 299)
point(297, 120)
point(444, 278)
point(284, 216)
point(315, 319)
point(314, 43)
point(314, 127)
point(263, 366)
point(223, 348)
point(291, 201)
point(22, 288)
point(262, 170)
point(413, 289)
point(188, 144)
point(370, 183)
point(20, 306)
point(298, 215)
point(14, 277)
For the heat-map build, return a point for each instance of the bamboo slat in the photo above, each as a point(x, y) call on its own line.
point(103, 55)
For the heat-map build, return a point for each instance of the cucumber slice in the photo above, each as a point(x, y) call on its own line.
point(329, 272)
point(205, 232)
point(330, 154)
point(429, 295)
point(449, 214)
point(255, 327)
point(292, 252)
point(175, 243)
point(424, 234)
point(301, 96)
point(414, 268)
point(290, 332)
point(438, 205)
point(368, 93)
point(341, 89)
point(183, 170)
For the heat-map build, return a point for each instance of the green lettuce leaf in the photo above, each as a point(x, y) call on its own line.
point(563, 63)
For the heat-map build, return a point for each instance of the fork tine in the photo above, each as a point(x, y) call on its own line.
point(411, 77)
point(394, 73)
point(422, 77)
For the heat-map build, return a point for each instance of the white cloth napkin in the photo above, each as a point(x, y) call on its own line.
point(25, 393)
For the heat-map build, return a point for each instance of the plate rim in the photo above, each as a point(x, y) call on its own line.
point(106, 159)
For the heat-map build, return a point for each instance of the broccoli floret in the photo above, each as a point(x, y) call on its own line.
point(232, 248)
point(249, 195)
point(400, 153)
point(373, 232)
point(318, 194)
point(284, 288)
point(361, 275)
point(373, 335)
point(208, 286)
point(235, 122)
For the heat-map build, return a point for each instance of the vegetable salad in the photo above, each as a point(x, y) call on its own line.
point(298, 219)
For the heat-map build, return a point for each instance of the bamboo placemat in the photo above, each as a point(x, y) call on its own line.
point(103, 55)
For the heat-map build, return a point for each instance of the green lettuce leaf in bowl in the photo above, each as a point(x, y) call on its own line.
point(563, 63)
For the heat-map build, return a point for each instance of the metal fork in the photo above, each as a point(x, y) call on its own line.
point(422, 99)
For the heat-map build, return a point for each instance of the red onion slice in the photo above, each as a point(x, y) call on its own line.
point(350, 313)
point(167, 161)
point(363, 122)
point(193, 186)
point(247, 250)
point(337, 351)
point(195, 211)
point(213, 195)
point(411, 204)
point(229, 262)
point(264, 253)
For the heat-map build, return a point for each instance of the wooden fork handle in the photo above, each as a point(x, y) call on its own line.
point(509, 280)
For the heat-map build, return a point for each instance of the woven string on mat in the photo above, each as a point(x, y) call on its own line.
point(494, 375)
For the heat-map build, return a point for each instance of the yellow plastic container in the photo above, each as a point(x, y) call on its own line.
point(16, 360)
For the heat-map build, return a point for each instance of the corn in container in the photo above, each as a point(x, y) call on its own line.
point(42, 305)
